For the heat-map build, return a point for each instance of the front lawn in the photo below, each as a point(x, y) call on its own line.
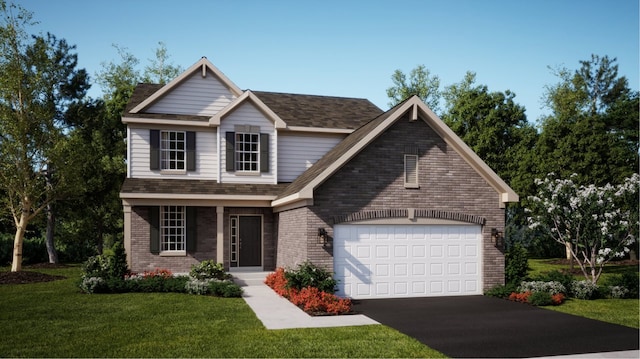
point(618, 311)
point(53, 319)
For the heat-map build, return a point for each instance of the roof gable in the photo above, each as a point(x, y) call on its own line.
point(247, 97)
point(302, 188)
point(201, 68)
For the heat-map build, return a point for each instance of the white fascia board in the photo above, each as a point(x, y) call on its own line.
point(201, 66)
point(174, 196)
point(286, 200)
point(248, 96)
point(197, 203)
point(155, 121)
point(293, 205)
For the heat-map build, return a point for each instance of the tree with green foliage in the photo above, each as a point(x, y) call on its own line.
point(39, 82)
point(593, 128)
point(95, 217)
point(495, 127)
point(420, 83)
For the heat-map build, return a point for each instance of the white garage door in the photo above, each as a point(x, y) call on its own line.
point(390, 261)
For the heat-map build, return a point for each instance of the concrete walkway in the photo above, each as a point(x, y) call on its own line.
point(276, 312)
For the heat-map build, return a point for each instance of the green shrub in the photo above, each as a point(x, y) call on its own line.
point(227, 289)
point(198, 286)
point(111, 264)
point(209, 269)
point(628, 280)
point(583, 289)
point(516, 264)
point(501, 291)
point(309, 275)
point(551, 287)
point(92, 285)
point(175, 284)
point(34, 250)
point(617, 292)
point(540, 298)
point(555, 276)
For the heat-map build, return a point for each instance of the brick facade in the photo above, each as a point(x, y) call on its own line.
point(374, 180)
point(293, 237)
point(143, 260)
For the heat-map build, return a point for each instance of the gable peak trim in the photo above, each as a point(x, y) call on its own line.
point(203, 65)
point(248, 96)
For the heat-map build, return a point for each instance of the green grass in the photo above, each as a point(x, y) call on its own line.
point(537, 266)
point(618, 311)
point(55, 320)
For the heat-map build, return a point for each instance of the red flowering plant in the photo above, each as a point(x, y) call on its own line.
point(520, 297)
point(539, 293)
point(310, 299)
point(158, 272)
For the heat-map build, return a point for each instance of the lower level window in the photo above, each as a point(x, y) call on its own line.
point(172, 229)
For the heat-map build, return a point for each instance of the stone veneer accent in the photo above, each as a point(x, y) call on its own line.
point(374, 181)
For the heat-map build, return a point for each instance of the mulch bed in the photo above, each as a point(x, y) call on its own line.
point(26, 277)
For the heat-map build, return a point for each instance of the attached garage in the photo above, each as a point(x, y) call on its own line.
point(416, 260)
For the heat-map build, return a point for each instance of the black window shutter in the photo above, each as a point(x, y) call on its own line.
point(192, 228)
point(154, 231)
point(264, 152)
point(154, 153)
point(191, 151)
point(231, 151)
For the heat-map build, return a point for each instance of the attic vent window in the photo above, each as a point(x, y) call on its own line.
point(204, 70)
point(411, 171)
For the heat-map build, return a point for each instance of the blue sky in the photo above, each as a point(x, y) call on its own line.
point(351, 48)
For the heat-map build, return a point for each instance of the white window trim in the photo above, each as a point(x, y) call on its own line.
point(164, 227)
point(165, 163)
point(239, 164)
point(407, 183)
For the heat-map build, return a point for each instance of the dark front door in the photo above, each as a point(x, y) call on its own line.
point(250, 235)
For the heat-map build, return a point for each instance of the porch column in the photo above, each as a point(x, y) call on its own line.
point(127, 232)
point(220, 234)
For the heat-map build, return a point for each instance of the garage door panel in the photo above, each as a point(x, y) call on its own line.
point(381, 261)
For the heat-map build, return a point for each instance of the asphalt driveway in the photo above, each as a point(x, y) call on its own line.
point(479, 326)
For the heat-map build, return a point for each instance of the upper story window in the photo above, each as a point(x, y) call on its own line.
point(247, 150)
point(172, 150)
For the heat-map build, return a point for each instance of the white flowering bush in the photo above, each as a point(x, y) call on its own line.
point(618, 292)
point(90, 284)
point(198, 286)
point(551, 287)
point(584, 289)
point(596, 224)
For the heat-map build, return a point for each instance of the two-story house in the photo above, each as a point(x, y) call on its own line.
point(394, 203)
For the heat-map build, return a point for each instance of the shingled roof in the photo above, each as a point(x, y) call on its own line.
point(319, 111)
point(197, 187)
point(293, 109)
point(333, 155)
